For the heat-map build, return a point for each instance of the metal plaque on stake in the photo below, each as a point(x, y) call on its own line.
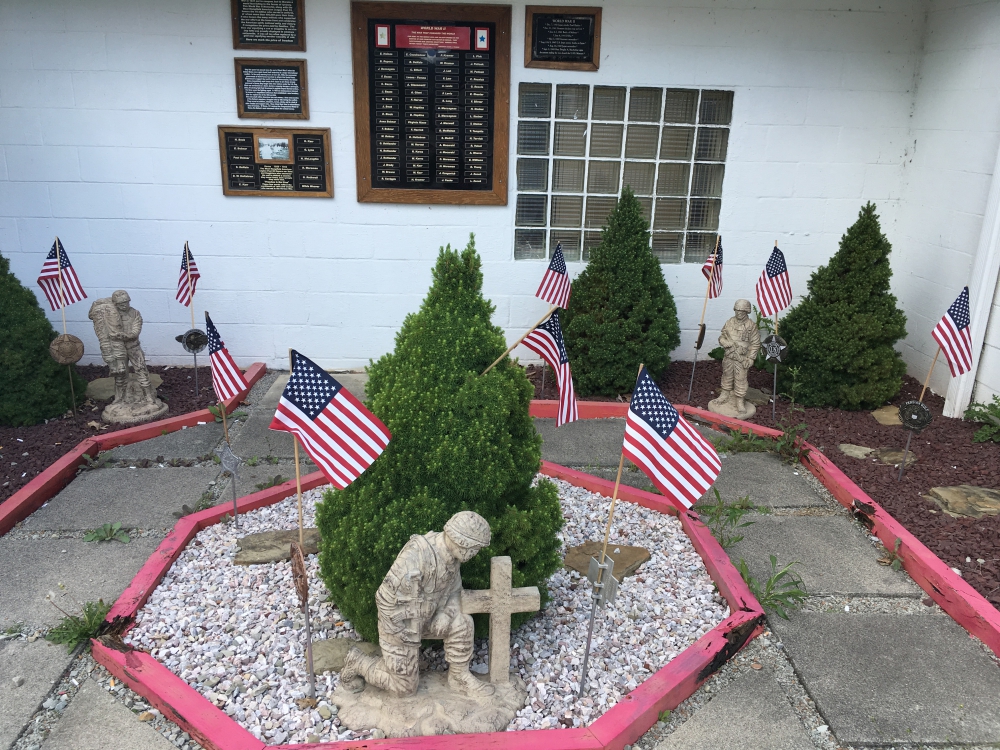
point(301, 582)
point(914, 416)
point(231, 462)
point(606, 590)
point(775, 351)
point(194, 340)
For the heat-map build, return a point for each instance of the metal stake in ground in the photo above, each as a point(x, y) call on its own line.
point(701, 323)
point(230, 462)
point(775, 350)
point(302, 588)
point(914, 416)
point(62, 310)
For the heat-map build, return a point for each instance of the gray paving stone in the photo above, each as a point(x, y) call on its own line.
point(587, 442)
point(40, 664)
point(95, 721)
point(750, 712)
point(767, 479)
point(249, 477)
point(879, 679)
point(90, 571)
point(835, 558)
point(193, 442)
point(136, 498)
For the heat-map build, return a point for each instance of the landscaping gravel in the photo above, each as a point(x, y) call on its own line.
point(236, 633)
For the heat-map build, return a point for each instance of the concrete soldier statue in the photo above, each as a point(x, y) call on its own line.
point(420, 597)
point(741, 340)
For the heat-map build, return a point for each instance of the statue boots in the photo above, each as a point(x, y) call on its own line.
point(724, 395)
point(461, 680)
point(360, 668)
point(740, 405)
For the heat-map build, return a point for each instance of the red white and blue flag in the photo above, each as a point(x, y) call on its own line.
point(547, 341)
point(555, 286)
point(188, 278)
point(341, 436)
point(677, 459)
point(226, 376)
point(70, 291)
point(774, 291)
point(712, 270)
point(954, 335)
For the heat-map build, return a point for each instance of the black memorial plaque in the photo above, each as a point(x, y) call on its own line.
point(432, 94)
point(276, 162)
point(269, 24)
point(562, 37)
point(272, 88)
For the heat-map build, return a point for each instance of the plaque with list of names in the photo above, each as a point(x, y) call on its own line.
point(271, 88)
point(432, 86)
point(562, 37)
point(269, 24)
point(283, 162)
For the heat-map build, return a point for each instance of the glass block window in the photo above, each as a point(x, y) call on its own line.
point(579, 146)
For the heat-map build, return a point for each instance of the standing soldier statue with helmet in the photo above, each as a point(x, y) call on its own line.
point(741, 340)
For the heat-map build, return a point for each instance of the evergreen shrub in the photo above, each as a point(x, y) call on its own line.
point(621, 311)
point(33, 386)
point(842, 334)
point(460, 441)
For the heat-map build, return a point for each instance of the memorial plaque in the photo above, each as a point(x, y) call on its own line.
point(269, 24)
point(561, 37)
point(431, 86)
point(272, 88)
point(284, 162)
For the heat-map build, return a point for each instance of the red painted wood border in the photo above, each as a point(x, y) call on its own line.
point(47, 485)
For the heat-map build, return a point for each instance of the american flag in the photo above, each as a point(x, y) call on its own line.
point(674, 455)
point(774, 292)
point(712, 271)
point(186, 287)
point(954, 336)
point(226, 376)
point(547, 341)
point(337, 431)
point(48, 280)
point(555, 286)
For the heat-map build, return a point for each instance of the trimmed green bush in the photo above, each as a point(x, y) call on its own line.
point(621, 311)
point(33, 387)
point(460, 441)
point(842, 334)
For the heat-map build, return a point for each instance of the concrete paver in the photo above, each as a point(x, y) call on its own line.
point(193, 442)
point(587, 442)
point(767, 479)
point(96, 721)
point(136, 498)
point(248, 477)
point(40, 664)
point(834, 557)
point(879, 679)
point(750, 712)
point(90, 571)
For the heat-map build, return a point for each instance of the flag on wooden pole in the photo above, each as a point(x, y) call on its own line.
point(954, 335)
point(555, 286)
point(227, 378)
point(547, 341)
point(712, 270)
point(677, 459)
point(48, 280)
point(188, 278)
point(774, 291)
point(341, 436)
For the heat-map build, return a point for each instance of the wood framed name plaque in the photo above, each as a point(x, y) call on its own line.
point(431, 102)
point(562, 37)
point(282, 162)
point(269, 24)
point(272, 88)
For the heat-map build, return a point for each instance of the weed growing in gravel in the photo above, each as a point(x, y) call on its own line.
point(784, 590)
point(739, 442)
point(272, 482)
point(253, 461)
point(988, 415)
point(14, 630)
point(789, 445)
point(91, 463)
point(724, 518)
point(891, 557)
point(107, 533)
point(75, 629)
point(271, 459)
point(206, 502)
point(216, 411)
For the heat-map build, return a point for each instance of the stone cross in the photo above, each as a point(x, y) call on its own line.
point(500, 601)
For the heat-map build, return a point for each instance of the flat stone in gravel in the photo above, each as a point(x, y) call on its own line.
point(767, 479)
point(96, 721)
point(271, 546)
point(835, 557)
point(90, 571)
point(248, 477)
point(136, 498)
point(40, 664)
point(194, 442)
point(750, 712)
point(587, 442)
point(880, 679)
point(328, 654)
point(627, 558)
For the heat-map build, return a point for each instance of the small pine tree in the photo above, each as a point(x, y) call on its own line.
point(33, 386)
point(460, 441)
point(841, 335)
point(621, 311)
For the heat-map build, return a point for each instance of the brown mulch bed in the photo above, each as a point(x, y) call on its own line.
point(44, 443)
point(945, 454)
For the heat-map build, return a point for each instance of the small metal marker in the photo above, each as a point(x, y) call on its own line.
point(605, 591)
point(230, 462)
point(776, 350)
point(914, 416)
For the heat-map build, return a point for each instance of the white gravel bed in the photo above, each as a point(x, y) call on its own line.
point(235, 633)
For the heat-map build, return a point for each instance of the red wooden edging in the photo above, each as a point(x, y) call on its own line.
point(547, 409)
point(540, 739)
point(48, 483)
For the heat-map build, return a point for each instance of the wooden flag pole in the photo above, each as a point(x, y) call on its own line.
point(295, 445)
point(512, 346)
point(62, 310)
point(704, 308)
point(928, 378)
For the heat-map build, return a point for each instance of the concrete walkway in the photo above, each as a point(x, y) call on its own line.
point(864, 664)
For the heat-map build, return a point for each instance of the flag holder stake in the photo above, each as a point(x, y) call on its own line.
point(600, 572)
point(301, 583)
point(187, 265)
point(512, 346)
point(928, 378)
point(701, 323)
point(295, 447)
point(906, 450)
point(62, 310)
point(544, 368)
